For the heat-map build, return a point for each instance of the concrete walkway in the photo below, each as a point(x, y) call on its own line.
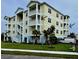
point(41, 51)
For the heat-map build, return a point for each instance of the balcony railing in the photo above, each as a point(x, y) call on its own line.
point(33, 12)
point(20, 23)
point(33, 22)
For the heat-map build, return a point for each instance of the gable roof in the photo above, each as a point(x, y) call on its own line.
point(19, 8)
point(33, 2)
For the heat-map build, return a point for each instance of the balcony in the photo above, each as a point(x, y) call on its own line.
point(32, 28)
point(20, 18)
point(19, 29)
point(33, 12)
point(20, 23)
point(66, 26)
point(9, 26)
point(33, 22)
point(32, 9)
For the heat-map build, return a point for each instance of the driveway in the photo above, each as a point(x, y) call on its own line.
point(26, 57)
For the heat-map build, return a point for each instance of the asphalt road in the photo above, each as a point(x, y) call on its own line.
point(26, 57)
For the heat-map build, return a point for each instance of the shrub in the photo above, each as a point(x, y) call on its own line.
point(9, 39)
point(53, 39)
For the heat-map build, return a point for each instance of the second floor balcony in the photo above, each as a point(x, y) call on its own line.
point(33, 22)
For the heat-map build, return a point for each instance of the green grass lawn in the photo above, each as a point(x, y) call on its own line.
point(55, 47)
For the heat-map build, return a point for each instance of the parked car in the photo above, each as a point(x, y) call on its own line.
point(68, 40)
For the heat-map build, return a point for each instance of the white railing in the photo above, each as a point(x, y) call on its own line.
point(20, 23)
point(33, 22)
point(33, 12)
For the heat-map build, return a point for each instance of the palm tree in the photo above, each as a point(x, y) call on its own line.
point(36, 34)
point(52, 29)
point(48, 32)
point(51, 32)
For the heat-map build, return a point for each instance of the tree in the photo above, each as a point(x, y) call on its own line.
point(36, 34)
point(51, 31)
point(46, 36)
point(53, 39)
point(48, 32)
point(2, 36)
point(9, 39)
point(72, 35)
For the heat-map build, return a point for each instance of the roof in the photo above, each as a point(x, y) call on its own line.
point(19, 8)
point(32, 2)
point(47, 5)
point(51, 7)
point(25, 10)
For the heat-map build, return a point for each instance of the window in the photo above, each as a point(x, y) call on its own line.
point(18, 33)
point(49, 20)
point(57, 31)
point(67, 31)
point(64, 20)
point(13, 25)
point(49, 11)
point(25, 39)
point(67, 17)
point(14, 19)
point(9, 19)
point(57, 15)
point(9, 25)
point(18, 27)
point(26, 30)
point(61, 25)
point(64, 25)
point(61, 32)
point(26, 22)
point(61, 17)
point(64, 17)
point(57, 23)
point(64, 31)
point(9, 31)
point(67, 25)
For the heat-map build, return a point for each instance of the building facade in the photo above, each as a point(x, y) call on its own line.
point(38, 16)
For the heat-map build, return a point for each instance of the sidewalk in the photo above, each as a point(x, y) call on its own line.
point(41, 51)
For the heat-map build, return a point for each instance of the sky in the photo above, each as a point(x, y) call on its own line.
point(67, 7)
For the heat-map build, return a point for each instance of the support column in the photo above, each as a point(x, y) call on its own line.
point(23, 28)
point(40, 31)
point(36, 15)
point(7, 30)
point(28, 27)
